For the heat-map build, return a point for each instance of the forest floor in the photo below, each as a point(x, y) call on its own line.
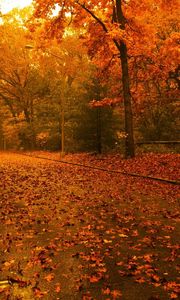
point(69, 232)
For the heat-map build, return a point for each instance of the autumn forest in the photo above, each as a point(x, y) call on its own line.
point(89, 142)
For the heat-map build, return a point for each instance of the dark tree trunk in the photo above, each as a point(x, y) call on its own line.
point(99, 137)
point(129, 142)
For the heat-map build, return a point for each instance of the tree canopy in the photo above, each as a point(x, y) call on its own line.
point(53, 53)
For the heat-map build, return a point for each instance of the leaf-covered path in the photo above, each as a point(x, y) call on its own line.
point(72, 233)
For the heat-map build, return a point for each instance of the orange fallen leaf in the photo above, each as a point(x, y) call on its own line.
point(140, 280)
point(147, 258)
point(102, 269)
point(39, 294)
point(107, 241)
point(123, 235)
point(155, 278)
point(173, 296)
point(106, 291)
point(9, 263)
point(120, 263)
point(135, 233)
point(58, 288)
point(94, 279)
point(49, 277)
point(116, 293)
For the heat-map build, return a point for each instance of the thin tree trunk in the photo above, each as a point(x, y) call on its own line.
point(99, 137)
point(62, 131)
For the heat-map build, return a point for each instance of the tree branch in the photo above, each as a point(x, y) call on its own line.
point(117, 44)
point(93, 15)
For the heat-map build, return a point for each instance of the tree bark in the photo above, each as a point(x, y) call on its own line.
point(62, 131)
point(129, 142)
point(99, 136)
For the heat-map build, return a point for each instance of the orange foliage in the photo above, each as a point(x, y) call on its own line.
point(105, 102)
point(150, 33)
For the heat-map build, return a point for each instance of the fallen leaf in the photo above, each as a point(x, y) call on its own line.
point(94, 279)
point(116, 294)
point(49, 277)
point(106, 291)
point(173, 296)
point(107, 241)
point(123, 235)
point(58, 288)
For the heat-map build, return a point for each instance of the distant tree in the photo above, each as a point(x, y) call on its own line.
point(97, 126)
point(21, 84)
point(158, 119)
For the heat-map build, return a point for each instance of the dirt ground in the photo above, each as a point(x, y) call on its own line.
point(76, 233)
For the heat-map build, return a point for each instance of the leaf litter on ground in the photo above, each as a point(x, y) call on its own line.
point(74, 233)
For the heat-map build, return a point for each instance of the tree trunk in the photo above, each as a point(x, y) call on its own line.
point(99, 137)
point(129, 142)
point(62, 131)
